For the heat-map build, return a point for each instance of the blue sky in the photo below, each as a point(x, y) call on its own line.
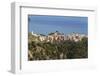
point(43, 24)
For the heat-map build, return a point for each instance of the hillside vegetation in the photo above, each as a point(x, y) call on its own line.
point(58, 50)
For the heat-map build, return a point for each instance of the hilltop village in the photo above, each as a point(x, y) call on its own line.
point(57, 45)
point(58, 37)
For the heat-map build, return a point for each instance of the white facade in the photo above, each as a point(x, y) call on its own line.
point(34, 34)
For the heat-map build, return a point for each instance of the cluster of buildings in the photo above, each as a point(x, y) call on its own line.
point(57, 36)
